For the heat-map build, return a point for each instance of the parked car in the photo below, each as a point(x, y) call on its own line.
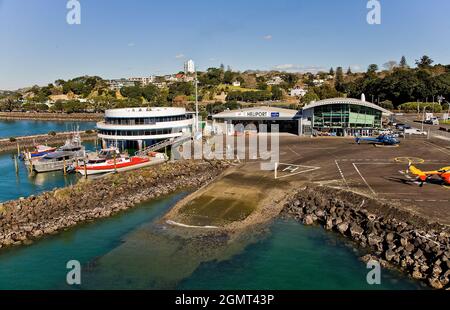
point(415, 131)
point(432, 121)
point(402, 127)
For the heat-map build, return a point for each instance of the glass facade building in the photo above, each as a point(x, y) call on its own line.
point(343, 117)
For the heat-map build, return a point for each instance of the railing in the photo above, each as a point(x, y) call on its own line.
point(163, 144)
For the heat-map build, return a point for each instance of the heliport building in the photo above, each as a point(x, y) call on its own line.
point(336, 116)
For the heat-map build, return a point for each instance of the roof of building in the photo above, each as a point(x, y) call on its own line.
point(258, 113)
point(346, 101)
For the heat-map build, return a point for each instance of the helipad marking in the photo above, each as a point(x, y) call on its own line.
point(357, 170)
point(341, 173)
point(407, 160)
point(293, 169)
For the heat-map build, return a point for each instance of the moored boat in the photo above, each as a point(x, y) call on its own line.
point(39, 151)
point(62, 158)
point(119, 163)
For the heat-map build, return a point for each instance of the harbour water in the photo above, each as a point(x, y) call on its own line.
point(16, 128)
point(290, 256)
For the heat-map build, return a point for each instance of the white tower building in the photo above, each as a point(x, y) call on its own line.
point(189, 66)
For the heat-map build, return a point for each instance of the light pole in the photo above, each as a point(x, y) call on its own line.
point(196, 102)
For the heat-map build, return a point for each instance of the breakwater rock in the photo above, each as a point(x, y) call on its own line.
point(29, 141)
point(88, 117)
point(395, 238)
point(23, 220)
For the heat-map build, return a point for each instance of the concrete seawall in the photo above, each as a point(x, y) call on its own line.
point(24, 220)
point(397, 239)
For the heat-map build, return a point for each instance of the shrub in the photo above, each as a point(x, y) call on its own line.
point(12, 139)
point(89, 131)
point(52, 133)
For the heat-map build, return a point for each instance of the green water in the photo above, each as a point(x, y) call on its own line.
point(43, 265)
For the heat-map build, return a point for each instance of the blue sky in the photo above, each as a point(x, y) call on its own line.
point(122, 38)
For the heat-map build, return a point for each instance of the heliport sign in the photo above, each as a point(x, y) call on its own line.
point(258, 114)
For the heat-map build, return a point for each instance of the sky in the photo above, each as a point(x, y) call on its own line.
point(124, 38)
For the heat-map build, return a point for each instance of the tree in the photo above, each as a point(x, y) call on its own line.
point(403, 63)
point(390, 65)
point(10, 104)
point(132, 92)
point(150, 92)
point(277, 93)
point(332, 71)
point(309, 97)
point(339, 81)
point(372, 69)
point(424, 62)
point(349, 71)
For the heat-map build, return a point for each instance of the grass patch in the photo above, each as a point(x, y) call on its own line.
point(223, 87)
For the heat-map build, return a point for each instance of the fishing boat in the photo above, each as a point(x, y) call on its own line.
point(60, 159)
point(103, 164)
point(39, 151)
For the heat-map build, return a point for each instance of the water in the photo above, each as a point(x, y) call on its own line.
point(16, 128)
point(42, 265)
point(133, 250)
point(24, 184)
point(294, 257)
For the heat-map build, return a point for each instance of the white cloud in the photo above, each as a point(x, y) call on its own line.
point(268, 37)
point(299, 68)
point(179, 56)
point(356, 68)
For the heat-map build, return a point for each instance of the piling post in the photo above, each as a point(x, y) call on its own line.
point(16, 165)
point(85, 169)
point(115, 163)
point(65, 168)
point(31, 162)
point(18, 149)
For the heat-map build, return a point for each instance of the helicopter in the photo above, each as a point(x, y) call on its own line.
point(381, 139)
point(424, 176)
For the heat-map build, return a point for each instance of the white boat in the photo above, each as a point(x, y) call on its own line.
point(62, 158)
point(104, 164)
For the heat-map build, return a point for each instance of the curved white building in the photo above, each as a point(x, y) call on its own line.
point(135, 128)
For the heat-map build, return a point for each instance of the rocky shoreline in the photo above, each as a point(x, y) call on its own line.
point(81, 117)
point(397, 239)
point(29, 141)
point(27, 219)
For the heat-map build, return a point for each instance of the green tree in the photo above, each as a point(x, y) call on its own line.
point(309, 97)
point(403, 63)
point(372, 70)
point(339, 80)
point(424, 62)
point(277, 93)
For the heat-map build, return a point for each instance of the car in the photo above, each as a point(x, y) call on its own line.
point(432, 121)
point(415, 131)
point(402, 127)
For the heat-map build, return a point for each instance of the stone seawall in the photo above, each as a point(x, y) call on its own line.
point(29, 141)
point(397, 239)
point(23, 220)
point(88, 117)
